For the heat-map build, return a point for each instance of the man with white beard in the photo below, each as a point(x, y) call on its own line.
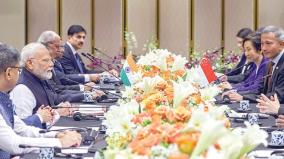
point(33, 96)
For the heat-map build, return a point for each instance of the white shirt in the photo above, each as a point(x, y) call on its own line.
point(87, 77)
point(24, 101)
point(26, 135)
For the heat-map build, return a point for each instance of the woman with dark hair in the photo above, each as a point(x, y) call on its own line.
point(252, 48)
point(242, 69)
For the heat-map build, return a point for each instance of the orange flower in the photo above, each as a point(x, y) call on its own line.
point(178, 156)
point(172, 132)
point(143, 146)
point(176, 74)
point(150, 71)
point(179, 73)
point(196, 98)
point(166, 75)
point(170, 60)
point(161, 86)
point(217, 146)
point(206, 108)
point(186, 142)
point(170, 116)
point(181, 114)
point(138, 99)
point(149, 105)
point(169, 92)
point(139, 118)
point(161, 111)
point(184, 102)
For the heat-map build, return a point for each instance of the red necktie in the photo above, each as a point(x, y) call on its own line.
point(269, 80)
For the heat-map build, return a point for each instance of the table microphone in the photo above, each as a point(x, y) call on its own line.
point(92, 59)
point(244, 65)
point(98, 50)
point(114, 94)
point(79, 116)
point(99, 99)
point(59, 130)
point(24, 146)
point(57, 151)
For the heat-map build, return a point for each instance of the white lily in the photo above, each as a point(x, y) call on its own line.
point(179, 63)
point(218, 112)
point(148, 83)
point(208, 93)
point(231, 145)
point(128, 92)
point(252, 136)
point(118, 119)
point(182, 90)
point(193, 75)
point(162, 62)
point(198, 117)
point(211, 131)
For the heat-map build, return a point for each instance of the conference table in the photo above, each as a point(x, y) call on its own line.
point(100, 143)
point(69, 122)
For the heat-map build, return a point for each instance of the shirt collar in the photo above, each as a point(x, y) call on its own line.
point(72, 48)
point(277, 58)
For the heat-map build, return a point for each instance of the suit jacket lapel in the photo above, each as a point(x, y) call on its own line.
point(278, 67)
point(266, 78)
point(72, 56)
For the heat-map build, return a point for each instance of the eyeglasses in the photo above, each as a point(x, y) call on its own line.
point(56, 45)
point(17, 67)
point(43, 60)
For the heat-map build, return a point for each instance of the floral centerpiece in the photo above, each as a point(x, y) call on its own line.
point(166, 114)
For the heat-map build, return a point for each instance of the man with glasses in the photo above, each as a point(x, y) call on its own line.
point(61, 81)
point(33, 94)
point(13, 130)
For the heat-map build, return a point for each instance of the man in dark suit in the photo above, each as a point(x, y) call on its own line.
point(272, 45)
point(71, 60)
point(60, 81)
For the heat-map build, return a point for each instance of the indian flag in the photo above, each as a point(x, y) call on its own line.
point(126, 73)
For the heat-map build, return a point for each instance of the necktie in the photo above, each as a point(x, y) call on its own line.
point(58, 66)
point(269, 80)
point(78, 61)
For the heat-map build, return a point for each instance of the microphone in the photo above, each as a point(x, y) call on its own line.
point(217, 50)
point(98, 50)
point(79, 116)
point(30, 146)
point(92, 59)
point(239, 67)
point(234, 70)
point(58, 151)
point(114, 94)
point(99, 99)
point(59, 130)
point(218, 78)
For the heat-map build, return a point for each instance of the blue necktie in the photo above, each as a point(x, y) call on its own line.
point(58, 66)
point(79, 63)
